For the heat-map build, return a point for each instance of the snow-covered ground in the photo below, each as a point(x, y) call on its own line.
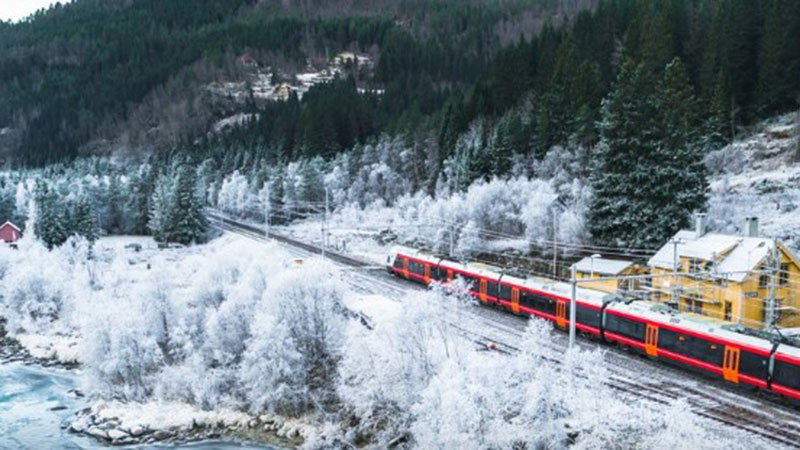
point(758, 176)
point(245, 336)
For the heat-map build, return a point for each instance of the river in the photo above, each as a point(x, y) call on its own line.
point(35, 401)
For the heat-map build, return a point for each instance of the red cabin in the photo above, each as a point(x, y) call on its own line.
point(9, 232)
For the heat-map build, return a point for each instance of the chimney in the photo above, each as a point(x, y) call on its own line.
point(699, 225)
point(751, 226)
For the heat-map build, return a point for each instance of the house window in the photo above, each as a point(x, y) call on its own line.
point(697, 265)
point(695, 306)
point(784, 275)
point(728, 311)
point(763, 281)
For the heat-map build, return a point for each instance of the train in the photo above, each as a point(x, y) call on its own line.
point(720, 349)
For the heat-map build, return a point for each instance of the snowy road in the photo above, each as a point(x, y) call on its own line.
point(633, 375)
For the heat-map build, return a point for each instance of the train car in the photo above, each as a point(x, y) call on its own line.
point(551, 300)
point(695, 342)
point(691, 341)
point(540, 298)
point(786, 372)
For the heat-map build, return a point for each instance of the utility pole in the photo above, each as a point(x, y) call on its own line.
point(555, 245)
point(574, 293)
point(267, 210)
point(325, 224)
point(770, 315)
point(452, 231)
point(674, 282)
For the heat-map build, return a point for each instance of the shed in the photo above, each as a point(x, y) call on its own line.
point(10, 232)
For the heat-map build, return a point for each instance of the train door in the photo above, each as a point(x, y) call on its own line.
point(427, 274)
point(515, 300)
point(651, 340)
point(561, 313)
point(730, 364)
point(450, 275)
point(405, 267)
point(483, 290)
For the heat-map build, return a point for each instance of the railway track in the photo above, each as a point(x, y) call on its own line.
point(775, 422)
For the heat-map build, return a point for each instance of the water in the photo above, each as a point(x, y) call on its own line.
point(34, 402)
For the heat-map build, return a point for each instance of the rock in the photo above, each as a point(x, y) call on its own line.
point(116, 434)
point(137, 431)
point(97, 433)
point(79, 426)
point(162, 435)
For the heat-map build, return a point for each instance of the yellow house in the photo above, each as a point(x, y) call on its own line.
point(602, 269)
point(749, 280)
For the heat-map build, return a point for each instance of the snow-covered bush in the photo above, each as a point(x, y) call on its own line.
point(34, 290)
point(290, 362)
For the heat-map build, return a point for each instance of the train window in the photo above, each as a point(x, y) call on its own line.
point(491, 289)
point(435, 273)
point(505, 292)
point(626, 327)
point(667, 340)
point(706, 351)
point(587, 316)
point(753, 365)
point(398, 263)
point(786, 374)
point(416, 268)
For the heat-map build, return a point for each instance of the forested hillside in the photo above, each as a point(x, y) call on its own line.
point(633, 93)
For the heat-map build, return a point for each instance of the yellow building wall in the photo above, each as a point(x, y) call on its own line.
point(609, 286)
point(747, 298)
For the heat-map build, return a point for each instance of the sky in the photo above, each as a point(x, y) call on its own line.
point(15, 10)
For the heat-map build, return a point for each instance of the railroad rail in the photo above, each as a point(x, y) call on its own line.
point(784, 431)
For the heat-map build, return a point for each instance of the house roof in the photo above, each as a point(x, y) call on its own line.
point(735, 255)
point(602, 266)
point(8, 222)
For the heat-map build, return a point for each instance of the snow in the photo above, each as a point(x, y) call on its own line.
point(233, 330)
point(163, 415)
point(756, 176)
point(602, 265)
point(736, 255)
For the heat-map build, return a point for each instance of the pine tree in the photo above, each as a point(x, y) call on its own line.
point(50, 225)
point(187, 222)
point(723, 109)
point(311, 188)
point(84, 221)
point(681, 170)
point(779, 56)
point(647, 175)
point(161, 208)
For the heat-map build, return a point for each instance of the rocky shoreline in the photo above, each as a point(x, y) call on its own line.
point(112, 430)
point(12, 351)
point(91, 421)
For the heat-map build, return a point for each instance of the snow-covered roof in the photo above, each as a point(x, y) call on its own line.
point(602, 266)
point(8, 222)
point(735, 255)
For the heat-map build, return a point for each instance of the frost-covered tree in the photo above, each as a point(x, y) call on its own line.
point(188, 220)
point(161, 207)
point(647, 172)
point(84, 221)
point(51, 228)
